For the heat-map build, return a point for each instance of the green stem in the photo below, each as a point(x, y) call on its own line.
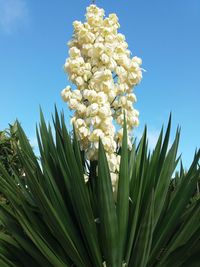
point(93, 169)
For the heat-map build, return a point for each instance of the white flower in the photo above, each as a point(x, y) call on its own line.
point(132, 97)
point(81, 109)
point(66, 94)
point(79, 123)
point(90, 95)
point(79, 81)
point(109, 144)
point(101, 98)
point(77, 25)
point(74, 52)
point(120, 134)
point(76, 94)
point(129, 105)
point(104, 58)
point(113, 162)
point(83, 132)
point(96, 134)
point(137, 60)
point(133, 121)
point(104, 112)
point(121, 72)
point(121, 37)
point(92, 110)
point(73, 103)
point(112, 64)
point(95, 121)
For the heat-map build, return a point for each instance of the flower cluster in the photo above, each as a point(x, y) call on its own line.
point(104, 74)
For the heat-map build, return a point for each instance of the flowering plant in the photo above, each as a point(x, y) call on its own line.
point(54, 218)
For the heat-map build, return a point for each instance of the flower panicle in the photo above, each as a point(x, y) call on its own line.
point(101, 68)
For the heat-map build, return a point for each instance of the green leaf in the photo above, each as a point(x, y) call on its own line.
point(141, 250)
point(123, 195)
point(107, 211)
point(136, 191)
point(165, 228)
point(163, 182)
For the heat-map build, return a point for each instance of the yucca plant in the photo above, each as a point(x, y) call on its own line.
point(58, 219)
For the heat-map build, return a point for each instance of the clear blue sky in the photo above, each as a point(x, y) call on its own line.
point(165, 34)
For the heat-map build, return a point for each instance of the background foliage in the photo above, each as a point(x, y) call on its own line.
point(9, 144)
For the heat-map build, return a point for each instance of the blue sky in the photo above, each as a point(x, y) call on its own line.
point(165, 34)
